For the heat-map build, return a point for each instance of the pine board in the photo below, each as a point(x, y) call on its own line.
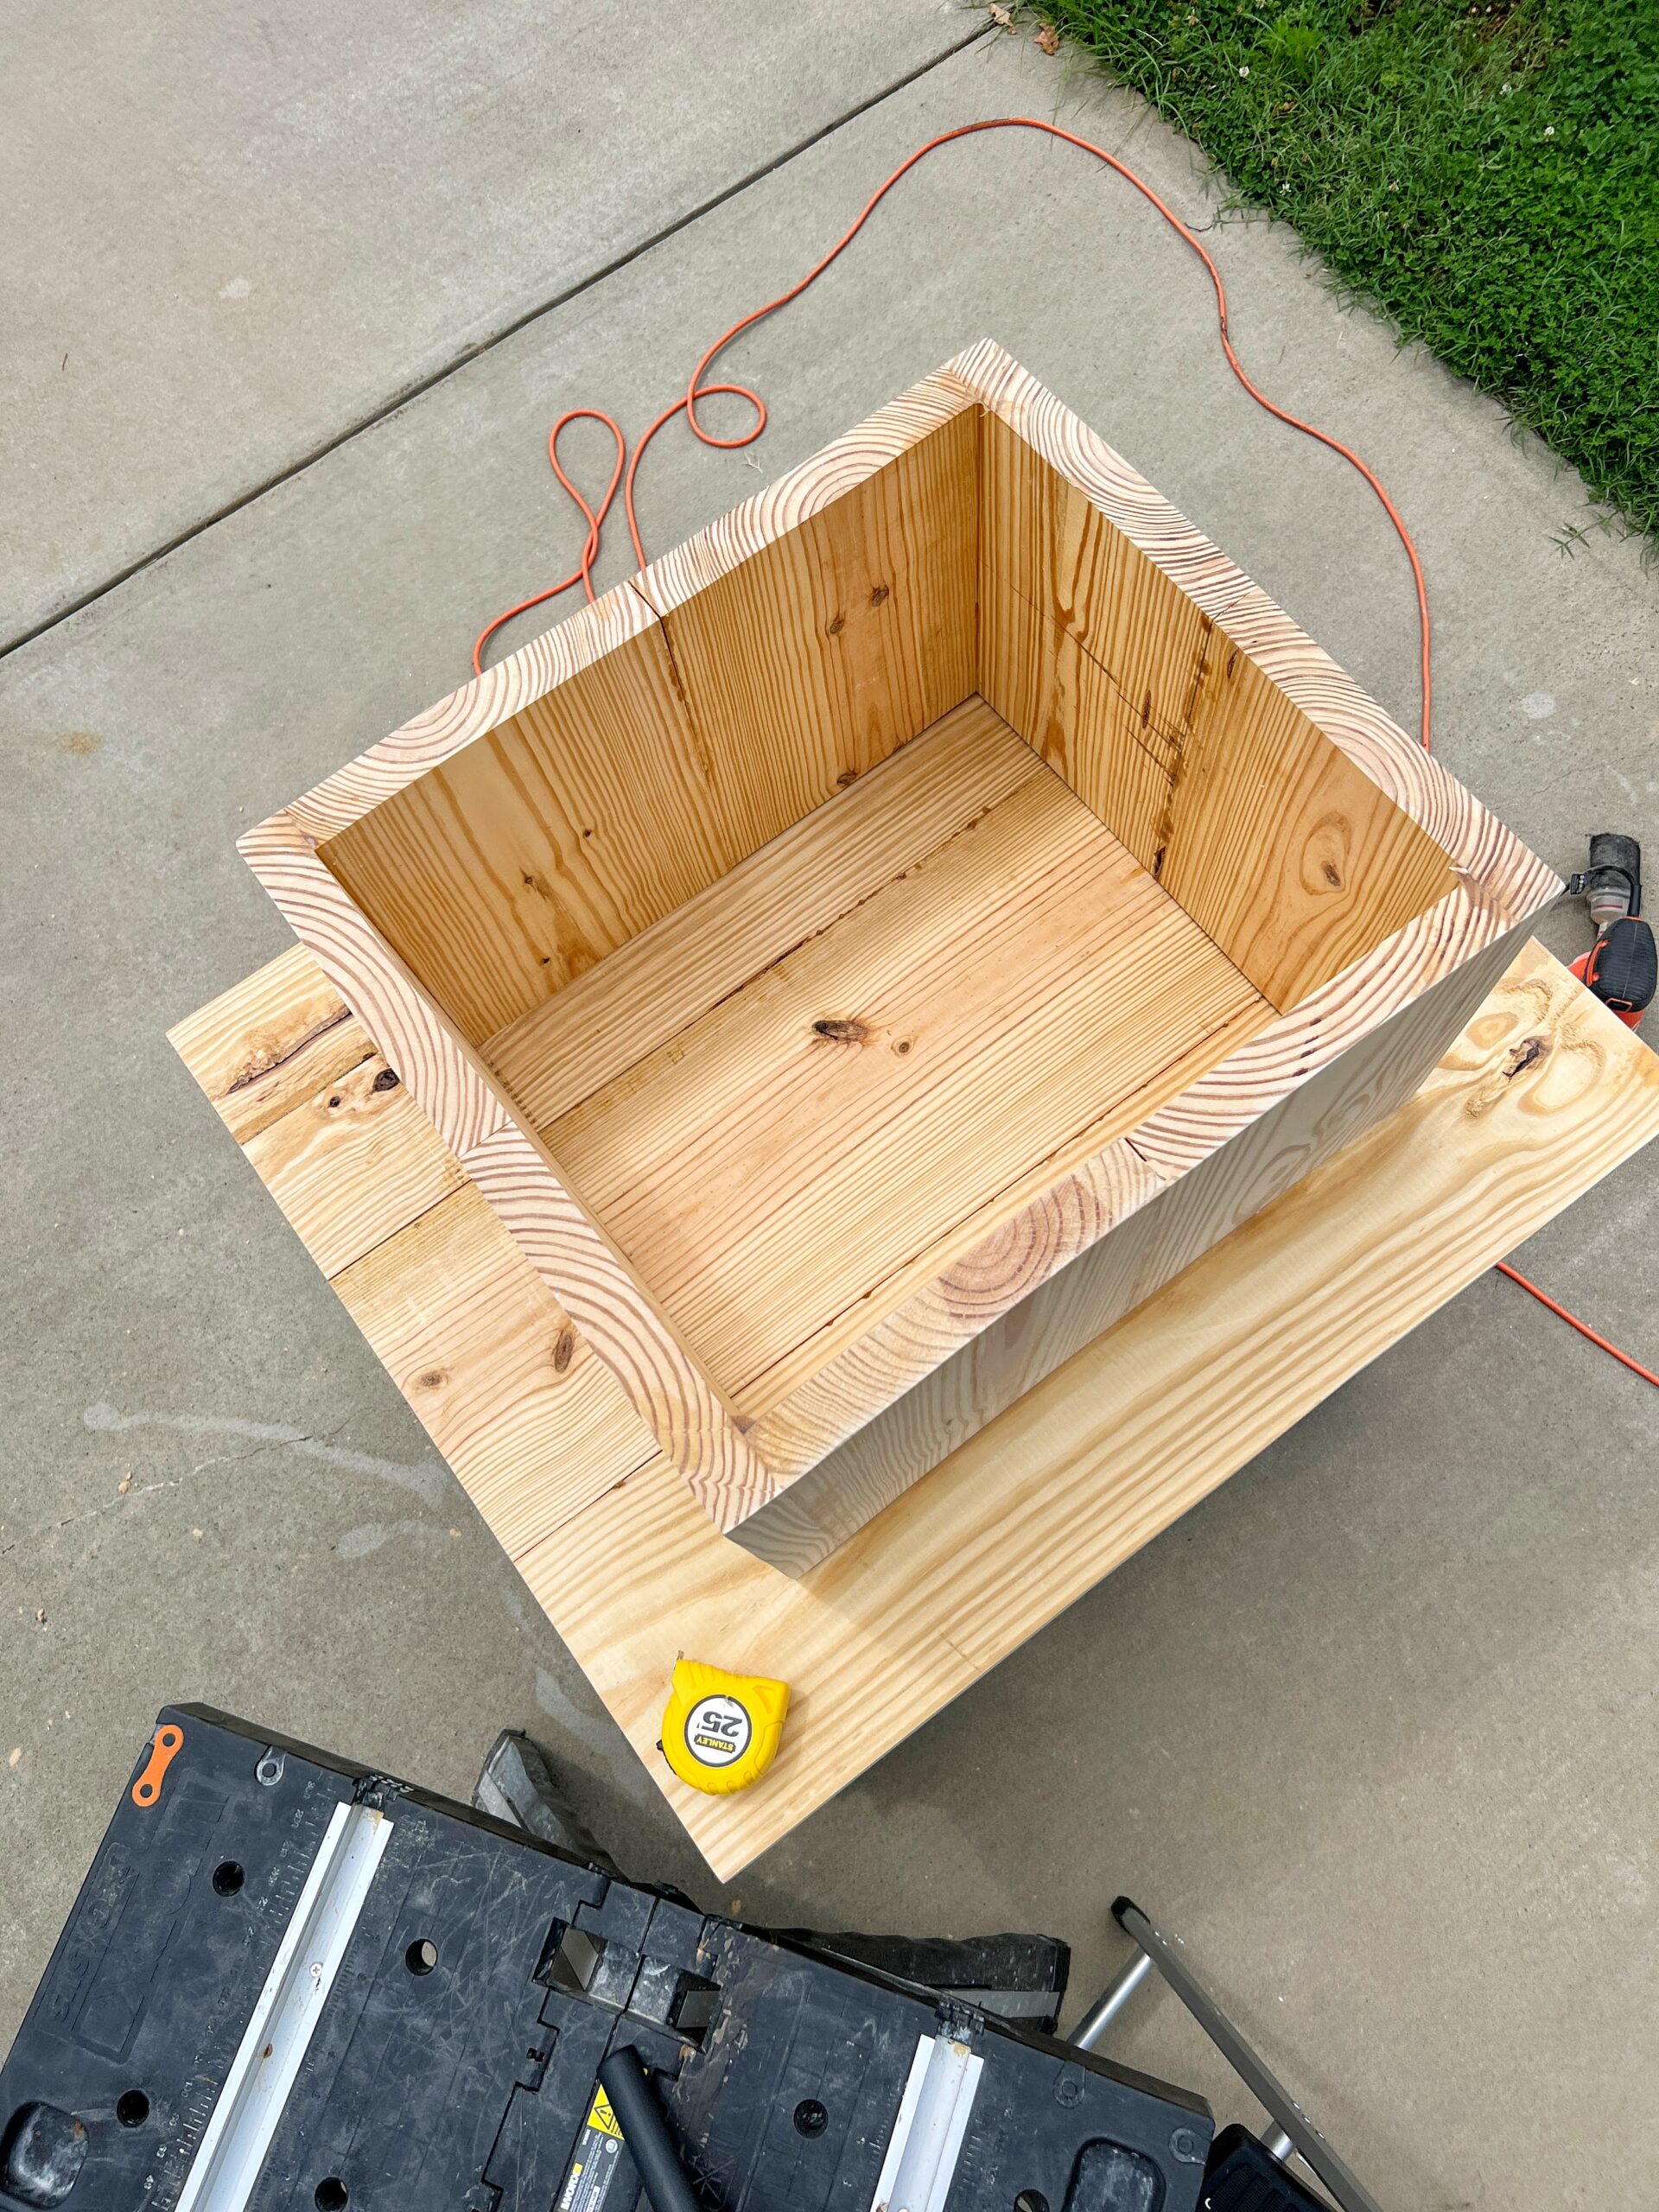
point(1543, 1094)
point(1293, 859)
point(573, 1044)
point(1008, 997)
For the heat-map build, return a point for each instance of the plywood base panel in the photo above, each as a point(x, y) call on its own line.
point(1543, 1093)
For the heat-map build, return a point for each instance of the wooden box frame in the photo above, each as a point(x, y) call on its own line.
point(810, 752)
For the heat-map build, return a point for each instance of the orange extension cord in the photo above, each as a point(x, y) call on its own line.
point(627, 468)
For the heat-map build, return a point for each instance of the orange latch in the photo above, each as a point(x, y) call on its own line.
point(164, 1749)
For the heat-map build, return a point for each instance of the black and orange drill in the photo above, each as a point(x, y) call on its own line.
point(1622, 966)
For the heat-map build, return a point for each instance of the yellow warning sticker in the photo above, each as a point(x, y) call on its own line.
point(597, 2162)
point(601, 2118)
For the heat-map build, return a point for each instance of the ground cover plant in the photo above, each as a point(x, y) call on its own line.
point(1488, 176)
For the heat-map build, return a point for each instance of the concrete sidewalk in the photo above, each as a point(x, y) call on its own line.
point(1371, 1727)
point(233, 238)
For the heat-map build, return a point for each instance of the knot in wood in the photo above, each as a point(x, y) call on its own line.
point(1525, 1055)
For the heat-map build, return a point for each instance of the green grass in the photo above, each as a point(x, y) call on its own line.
point(1488, 176)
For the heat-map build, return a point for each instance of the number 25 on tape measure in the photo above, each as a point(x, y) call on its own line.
point(720, 1731)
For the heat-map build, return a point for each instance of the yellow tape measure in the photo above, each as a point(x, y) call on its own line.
point(720, 1731)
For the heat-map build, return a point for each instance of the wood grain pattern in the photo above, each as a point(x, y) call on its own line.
point(884, 1367)
point(353, 1163)
point(832, 860)
point(1120, 1441)
point(575, 643)
point(833, 621)
point(1015, 1527)
point(519, 862)
point(1044, 540)
point(659, 753)
point(1194, 1186)
point(1067, 709)
point(1289, 856)
point(1273, 1150)
point(801, 1159)
point(1500, 883)
point(512, 1169)
point(1279, 1058)
point(970, 1343)
point(302, 1037)
point(451, 877)
point(1277, 845)
point(1514, 883)
point(534, 1425)
point(410, 1032)
point(764, 1228)
point(831, 617)
point(577, 1261)
point(1105, 1276)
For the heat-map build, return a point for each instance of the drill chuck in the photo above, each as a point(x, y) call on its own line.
point(1611, 885)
